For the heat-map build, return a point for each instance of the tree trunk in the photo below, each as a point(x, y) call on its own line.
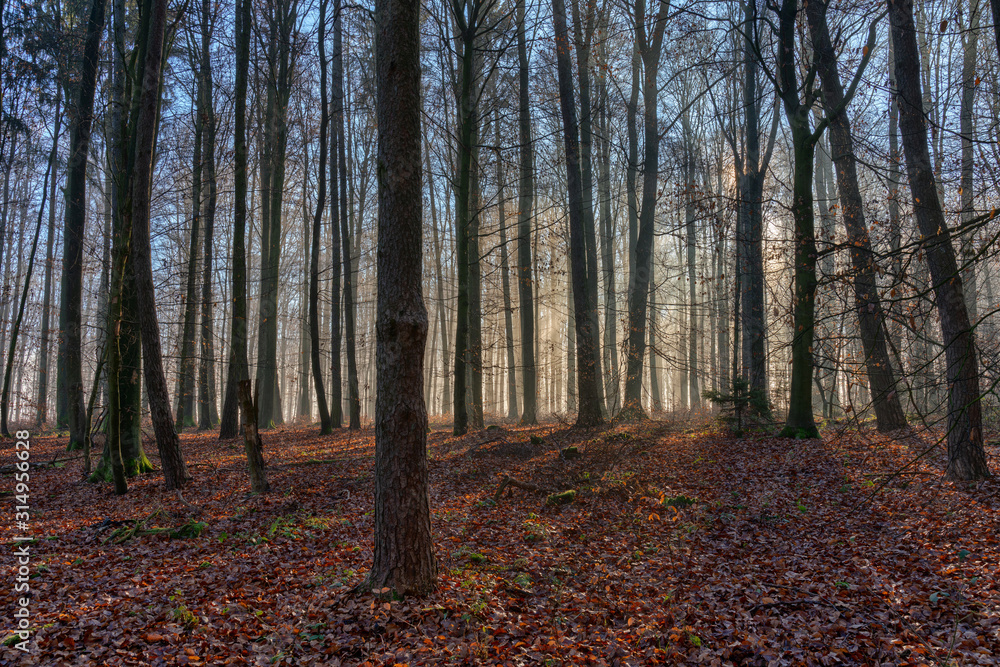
point(967, 128)
point(689, 224)
point(325, 425)
point(800, 422)
point(611, 384)
point(340, 110)
point(649, 47)
point(524, 213)
point(753, 315)
point(467, 118)
point(505, 279)
point(404, 549)
point(966, 457)
point(238, 367)
point(71, 298)
point(123, 453)
point(281, 24)
point(584, 26)
point(439, 281)
point(41, 416)
point(206, 394)
point(185, 380)
point(252, 444)
point(336, 245)
point(588, 390)
point(871, 316)
point(174, 472)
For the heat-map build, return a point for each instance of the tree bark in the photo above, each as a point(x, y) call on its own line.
point(325, 425)
point(252, 444)
point(525, 195)
point(353, 390)
point(336, 244)
point(967, 129)
point(649, 48)
point(800, 422)
point(403, 550)
point(966, 456)
point(207, 411)
point(174, 472)
point(71, 299)
point(512, 411)
point(588, 390)
point(185, 381)
point(41, 416)
point(871, 316)
point(238, 366)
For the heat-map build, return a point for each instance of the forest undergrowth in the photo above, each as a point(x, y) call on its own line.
point(681, 545)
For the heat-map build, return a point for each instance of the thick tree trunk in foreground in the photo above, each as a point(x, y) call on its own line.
point(71, 301)
point(871, 317)
point(174, 472)
point(966, 456)
point(403, 550)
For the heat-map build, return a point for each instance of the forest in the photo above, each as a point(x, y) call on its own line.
point(521, 332)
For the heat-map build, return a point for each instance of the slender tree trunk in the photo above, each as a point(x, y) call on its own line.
point(966, 456)
point(185, 381)
point(475, 276)
point(279, 86)
point(467, 117)
point(325, 425)
point(174, 472)
point(512, 411)
point(871, 316)
point(439, 281)
point(41, 416)
point(336, 244)
point(584, 26)
point(611, 384)
point(340, 110)
point(524, 215)
point(19, 316)
point(753, 315)
point(654, 375)
point(692, 268)
point(588, 387)
point(649, 48)
point(404, 549)
point(966, 190)
point(238, 368)
point(207, 411)
point(71, 299)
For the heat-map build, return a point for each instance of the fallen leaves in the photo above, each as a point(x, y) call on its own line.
point(680, 546)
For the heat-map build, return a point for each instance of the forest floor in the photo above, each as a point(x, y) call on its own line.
point(682, 546)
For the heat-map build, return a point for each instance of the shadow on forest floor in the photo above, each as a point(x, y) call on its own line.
point(681, 545)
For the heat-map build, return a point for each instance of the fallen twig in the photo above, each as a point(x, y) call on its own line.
point(527, 486)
